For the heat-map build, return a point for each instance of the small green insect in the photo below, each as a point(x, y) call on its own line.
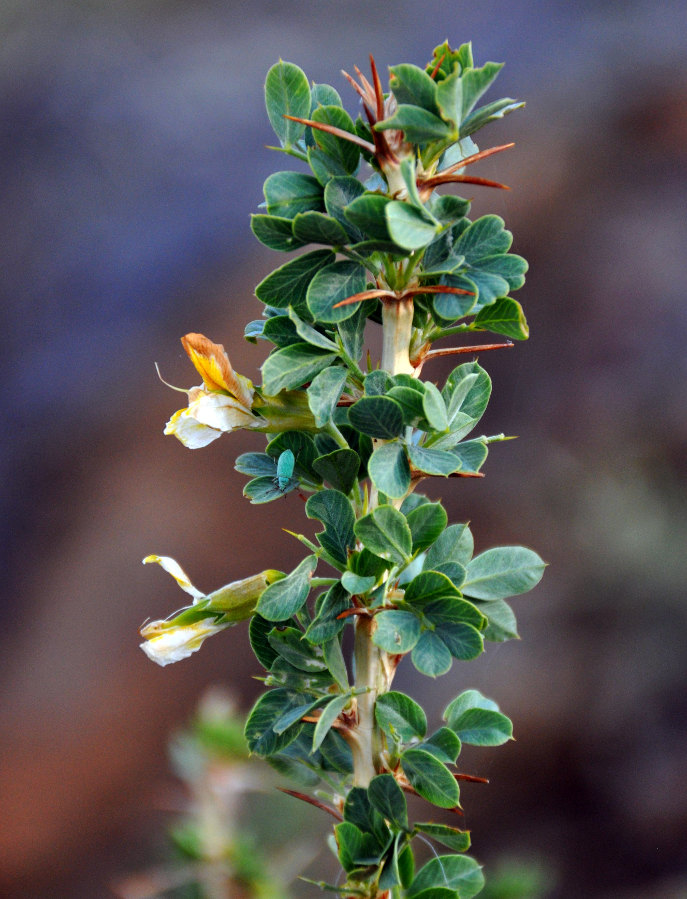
point(285, 465)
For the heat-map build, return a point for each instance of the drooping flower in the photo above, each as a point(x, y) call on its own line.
point(175, 638)
point(222, 403)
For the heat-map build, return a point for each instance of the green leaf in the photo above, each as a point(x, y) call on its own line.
point(433, 461)
point(475, 83)
point(385, 533)
point(338, 193)
point(262, 740)
point(345, 153)
point(400, 716)
point(316, 227)
point(431, 655)
point(466, 394)
point(505, 316)
point(323, 167)
point(490, 287)
point(482, 727)
point(339, 468)
point(308, 333)
point(324, 95)
point(326, 623)
point(426, 523)
point(418, 125)
point(287, 285)
point(292, 716)
point(256, 465)
point(484, 237)
point(336, 665)
point(337, 753)
point(458, 840)
point(332, 285)
point(377, 383)
point(396, 632)
point(355, 584)
point(274, 232)
point(303, 448)
point(324, 392)
point(377, 416)
point(352, 330)
point(258, 630)
point(437, 893)
point(368, 213)
point(454, 545)
point(335, 512)
point(287, 92)
point(502, 625)
point(359, 811)
point(410, 402)
point(292, 366)
point(284, 598)
point(329, 715)
point(408, 227)
point(266, 490)
point(471, 454)
point(434, 407)
point(444, 745)
point(355, 847)
point(284, 674)
point(462, 640)
point(453, 610)
point(412, 86)
point(281, 331)
point(430, 778)
point(430, 586)
point(450, 306)
point(502, 572)
point(454, 872)
point(288, 193)
point(468, 699)
point(389, 470)
point(508, 266)
point(489, 113)
point(455, 572)
point(387, 797)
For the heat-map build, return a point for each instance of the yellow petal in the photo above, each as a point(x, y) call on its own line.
point(192, 433)
point(214, 367)
point(174, 568)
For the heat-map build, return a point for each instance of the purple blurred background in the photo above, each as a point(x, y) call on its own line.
point(132, 139)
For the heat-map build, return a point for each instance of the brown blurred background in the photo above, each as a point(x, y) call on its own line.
point(132, 151)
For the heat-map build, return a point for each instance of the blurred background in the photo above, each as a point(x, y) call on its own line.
point(132, 140)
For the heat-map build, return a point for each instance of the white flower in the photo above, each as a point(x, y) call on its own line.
point(166, 643)
point(171, 566)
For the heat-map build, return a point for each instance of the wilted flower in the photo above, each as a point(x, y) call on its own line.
point(221, 404)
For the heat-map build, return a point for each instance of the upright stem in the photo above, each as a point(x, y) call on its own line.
point(374, 669)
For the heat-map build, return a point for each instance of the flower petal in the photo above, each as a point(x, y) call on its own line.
point(192, 433)
point(172, 644)
point(214, 367)
point(174, 568)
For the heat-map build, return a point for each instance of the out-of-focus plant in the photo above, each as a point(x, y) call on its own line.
point(359, 437)
point(216, 840)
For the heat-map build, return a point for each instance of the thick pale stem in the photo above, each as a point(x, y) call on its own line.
point(374, 668)
point(373, 675)
point(397, 321)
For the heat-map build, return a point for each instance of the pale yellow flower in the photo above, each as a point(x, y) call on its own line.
point(165, 645)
